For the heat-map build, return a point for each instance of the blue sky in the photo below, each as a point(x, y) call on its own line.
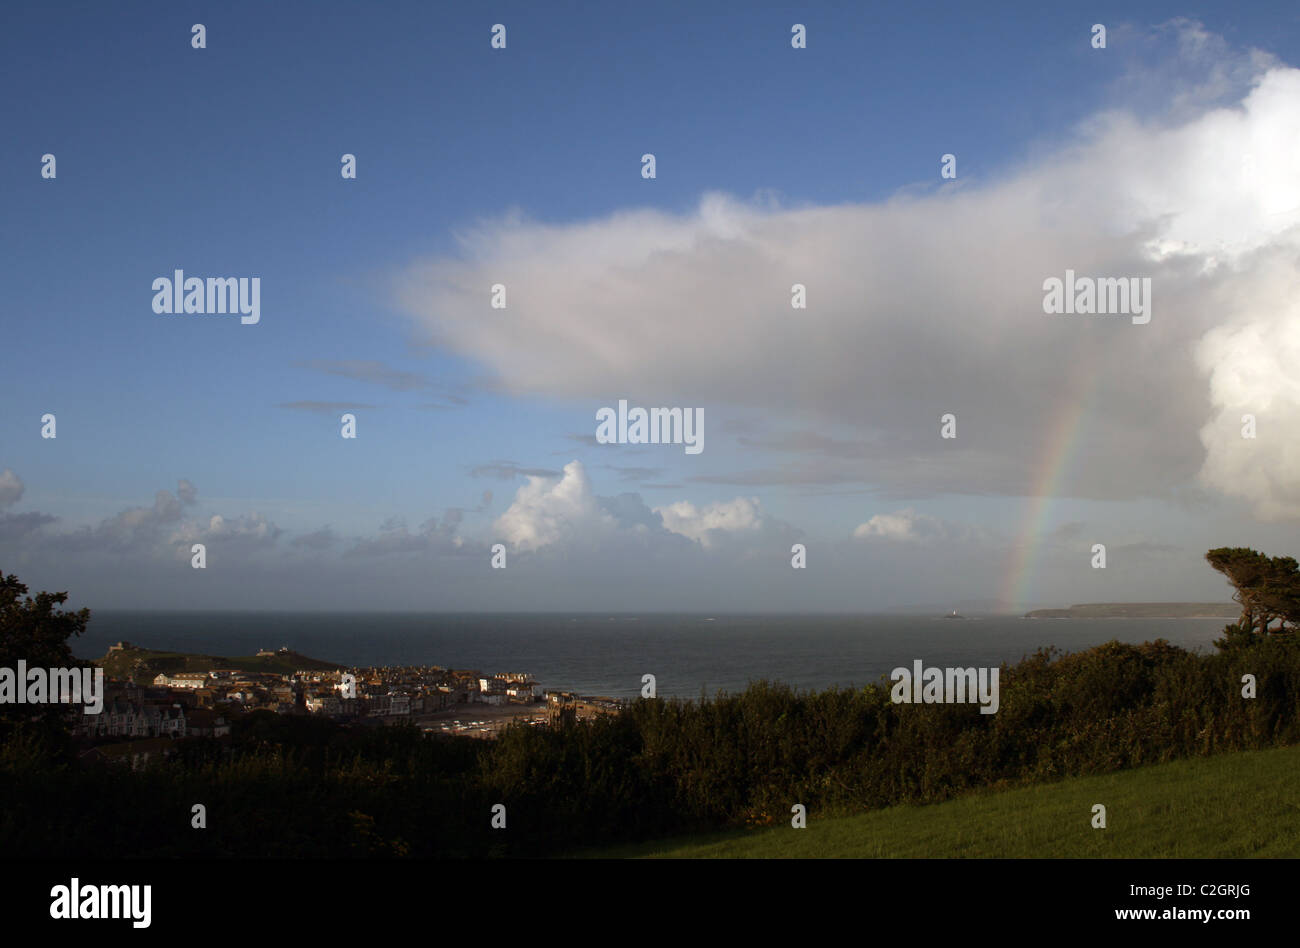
point(225, 162)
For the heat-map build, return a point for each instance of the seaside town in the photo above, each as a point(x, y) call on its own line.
point(147, 715)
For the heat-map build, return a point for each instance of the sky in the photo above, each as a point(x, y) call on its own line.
point(1171, 154)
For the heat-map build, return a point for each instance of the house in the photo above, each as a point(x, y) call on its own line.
point(182, 680)
point(123, 718)
point(170, 721)
point(452, 695)
point(389, 704)
point(494, 685)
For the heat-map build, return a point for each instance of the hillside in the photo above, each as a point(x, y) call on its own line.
point(1228, 806)
point(1141, 610)
point(145, 663)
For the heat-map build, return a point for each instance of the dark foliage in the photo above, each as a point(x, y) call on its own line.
point(296, 786)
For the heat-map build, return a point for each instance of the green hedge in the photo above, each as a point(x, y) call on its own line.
point(288, 786)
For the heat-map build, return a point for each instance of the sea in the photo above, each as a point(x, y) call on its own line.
point(691, 656)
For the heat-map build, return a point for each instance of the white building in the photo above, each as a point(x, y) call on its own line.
point(182, 680)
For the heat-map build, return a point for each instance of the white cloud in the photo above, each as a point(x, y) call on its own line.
point(546, 511)
point(912, 527)
point(135, 529)
point(706, 524)
point(394, 537)
point(142, 533)
point(566, 512)
point(922, 305)
point(11, 488)
point(21, 527)
point(1251, 363)
point(249, 531)
point(902, 525)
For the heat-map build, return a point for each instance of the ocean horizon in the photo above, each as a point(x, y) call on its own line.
point(690, 654)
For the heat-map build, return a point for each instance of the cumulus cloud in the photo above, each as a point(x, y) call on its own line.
point(139, 533)
point(546, 512)
point(912, 527)
point(249, 531)
point(11, 488)
point(895, 526)
point(566, 512)
point(1251, 363)
point(708, 524)
point(924, 304)
point(316, 540)
point(136, 529)
point(435, 534)
point(17, 526)
point(22, 525)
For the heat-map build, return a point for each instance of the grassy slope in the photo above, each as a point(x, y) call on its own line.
point(120, 663)
point(1233, 805)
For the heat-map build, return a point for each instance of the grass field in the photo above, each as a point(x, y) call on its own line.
point(1230, 806)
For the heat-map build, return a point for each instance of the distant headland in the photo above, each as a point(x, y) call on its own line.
point(1141, 610)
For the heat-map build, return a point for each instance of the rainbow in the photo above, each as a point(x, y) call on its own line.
point(1058, 451)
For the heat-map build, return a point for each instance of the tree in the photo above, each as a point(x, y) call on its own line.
point(1279, 594)
point(1267, 588)
point(35, 631)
